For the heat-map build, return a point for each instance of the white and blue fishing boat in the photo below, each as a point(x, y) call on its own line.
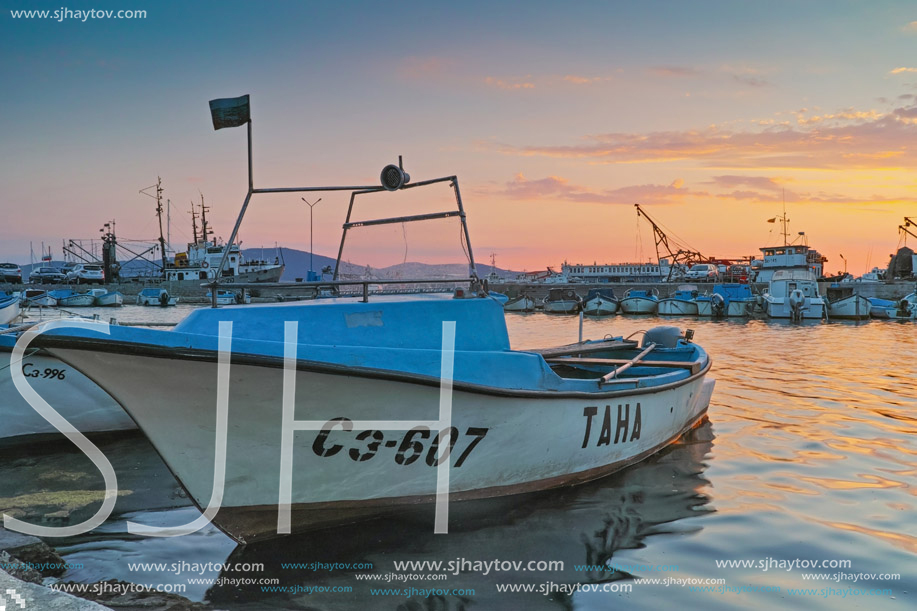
point(37, 297)
point(732, 299)
point(9, 308)
point(67, 298)
point(637, 301)
point(879, 308)
point(844, 302)
point(75, 397)
point(338, 409)
point(683, 302)
point(107, 299)
point(793, 294)
point(903, 309)
point(156, 297)
point(600, 302)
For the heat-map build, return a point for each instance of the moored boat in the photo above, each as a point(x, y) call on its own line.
point(74, 396)
point(9, 308)
point(156, 297)
point(67, 298)
point(844, 302)
point(637, 301)
point(562, 301)
point(225, 297)
point(793, 294)
point(37, 297)
point(520, 303)
point(683, 302)
point(733, 299)
point(107, 299)
point(361, 380)
point(600, 302)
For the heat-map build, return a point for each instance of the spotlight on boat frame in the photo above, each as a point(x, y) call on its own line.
point(394, 177)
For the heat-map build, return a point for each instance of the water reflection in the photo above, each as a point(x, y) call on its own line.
point(584, 525)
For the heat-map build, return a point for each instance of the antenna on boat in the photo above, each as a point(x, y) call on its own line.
point(194, 222)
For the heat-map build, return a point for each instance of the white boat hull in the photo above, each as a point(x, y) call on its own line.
point(814, 309)
point(676, 307)
point(521, 304)
point(566, 306)
point(853, 307)
point(154, 301)
point(110, 300)
point(735, 308)
point(600, 306)
point(77, 398)
point(638, 305)
point(500, 448)
point(9, 312)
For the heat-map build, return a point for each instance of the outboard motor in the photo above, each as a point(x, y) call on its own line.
point(718, 305)
point(163, 298)
point(664, 337)
point(797, 301)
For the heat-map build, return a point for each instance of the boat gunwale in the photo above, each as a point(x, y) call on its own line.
point(50, 342)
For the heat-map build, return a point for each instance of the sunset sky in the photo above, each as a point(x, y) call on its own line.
point(556, 118)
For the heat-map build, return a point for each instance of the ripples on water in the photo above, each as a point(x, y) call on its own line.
point(808, 454)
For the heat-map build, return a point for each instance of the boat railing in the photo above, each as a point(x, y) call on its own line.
point(476, 286)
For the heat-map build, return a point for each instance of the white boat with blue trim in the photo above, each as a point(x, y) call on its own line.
point(338, 409)
point(638, 301)
point(683, 302)
point(733, 300)
point(793, 294)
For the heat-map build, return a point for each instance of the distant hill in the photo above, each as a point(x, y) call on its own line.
point(297, 264)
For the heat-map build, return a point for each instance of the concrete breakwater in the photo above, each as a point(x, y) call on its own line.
point(192, 293)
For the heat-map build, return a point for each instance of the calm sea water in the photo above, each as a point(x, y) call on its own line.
point(808, 455)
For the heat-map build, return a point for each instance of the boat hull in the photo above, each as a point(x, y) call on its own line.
point(110, 300)
point(676, 307)
point(9, 310)
point(852, 307)
point(520, 304)
point(77, 398)
point(566, 306)
point(779, 308)
point(600, 306)
point(77, 301)
point(734, 308)
point(340, 475)
point(638, 305)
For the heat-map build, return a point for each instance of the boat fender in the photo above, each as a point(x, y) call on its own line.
point(665, 337)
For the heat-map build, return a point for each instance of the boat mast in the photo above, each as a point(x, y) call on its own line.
point(158, 198)
point(193, 222)
point(204, 230)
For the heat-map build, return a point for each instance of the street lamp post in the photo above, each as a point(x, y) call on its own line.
point(311, 273)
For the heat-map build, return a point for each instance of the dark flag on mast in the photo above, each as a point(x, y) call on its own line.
point(230, 112)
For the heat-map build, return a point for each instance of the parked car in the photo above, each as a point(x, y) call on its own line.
point(738, 273)
point(702, 272)
point(46, 275)
point(10, 272)
point(66, 268)
point(86, 273)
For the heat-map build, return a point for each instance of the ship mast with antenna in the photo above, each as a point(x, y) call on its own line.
point(158, 198)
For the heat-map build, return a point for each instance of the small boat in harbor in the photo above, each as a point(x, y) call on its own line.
point(67, 298)
point(520, 303)
point(844, 302)
point(361, 379)
point(600, 302)
point(879, 308)
point(37, 297)
point(562, 301)
point(903, 309)
point(638, 301)
point(733, 300)
point(107, 299)
point(225, 297)
point(9, 308)
point(156, 297)
point(793, 294)
point(683, 302)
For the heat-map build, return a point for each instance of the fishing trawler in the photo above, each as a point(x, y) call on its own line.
point(201, 259)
